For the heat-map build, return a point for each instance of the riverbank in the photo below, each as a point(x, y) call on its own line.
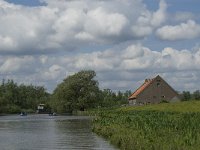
point(160, 127)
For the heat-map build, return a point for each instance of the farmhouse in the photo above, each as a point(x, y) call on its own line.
point(153, 91)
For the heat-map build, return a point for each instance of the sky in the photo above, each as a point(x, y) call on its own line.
point(123, 41)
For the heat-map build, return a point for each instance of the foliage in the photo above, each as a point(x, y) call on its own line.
point(196, 95)
point(147, 127)
point(186, 95)
point(164, 101)
point(110, 98)
point(77, 92)
point(183, 107)
point(81, 91)
point(15, 97)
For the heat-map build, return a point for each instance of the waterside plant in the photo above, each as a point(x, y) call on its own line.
point(153, 127)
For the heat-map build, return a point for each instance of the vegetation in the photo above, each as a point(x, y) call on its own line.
point(111, 99)
point(186, 95)
point(81, 91)
point(162, 126)
point(77, 92)
point(15, 98)
point(179, 107)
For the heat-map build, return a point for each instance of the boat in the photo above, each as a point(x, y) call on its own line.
point(23, 114)
point(52, 114)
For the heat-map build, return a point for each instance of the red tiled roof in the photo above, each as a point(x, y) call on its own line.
point(141, 88)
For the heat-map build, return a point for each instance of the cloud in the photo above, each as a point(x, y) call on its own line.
point(133, 63)
point(33, 41)
point(160, 15)
point(102, 23)
point(12, 65)
point(53, 72)
point(68, 25)
point(148, 21)
point(188, 30)
point(121, 68)
point(7, 43)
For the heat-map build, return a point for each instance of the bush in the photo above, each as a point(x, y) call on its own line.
point(28, 111)
point(164, 101)
point(11, 109)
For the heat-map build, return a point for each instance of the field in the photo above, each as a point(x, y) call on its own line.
point(174, 126)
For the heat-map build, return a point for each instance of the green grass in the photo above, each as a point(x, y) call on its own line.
point(170, 126)
point(187, 106)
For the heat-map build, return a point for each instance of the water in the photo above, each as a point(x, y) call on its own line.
point(43, 132)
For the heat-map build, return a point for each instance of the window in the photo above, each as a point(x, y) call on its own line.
point(158, 84)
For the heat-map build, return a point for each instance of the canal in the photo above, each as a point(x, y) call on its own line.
point(43, 132)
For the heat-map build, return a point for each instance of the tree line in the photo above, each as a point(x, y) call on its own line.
point(15, 98)
point(187, 95)
point(77, 92)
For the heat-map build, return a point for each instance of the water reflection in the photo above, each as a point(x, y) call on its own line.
point(43, 132)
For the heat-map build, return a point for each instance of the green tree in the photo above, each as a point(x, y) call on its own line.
point(77, 92)
point(196, 95)
point(108, 98)
point(186, 96)
point(14, 97)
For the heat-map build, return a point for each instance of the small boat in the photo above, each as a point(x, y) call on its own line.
point(23, 114)
point(52, 114)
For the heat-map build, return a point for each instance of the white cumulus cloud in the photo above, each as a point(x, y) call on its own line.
point(148, 21)
point(123, 68)
point(188, 30)
point(67, 25)
point(33, 41)
point(13, 64)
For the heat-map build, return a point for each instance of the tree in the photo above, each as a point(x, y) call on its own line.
point(186, 96)
point(15, 97)
point(196, 95)
point(108, 98)
point(77, 92)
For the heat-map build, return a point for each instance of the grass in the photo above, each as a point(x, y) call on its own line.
point(187, 106)
point(170, 126)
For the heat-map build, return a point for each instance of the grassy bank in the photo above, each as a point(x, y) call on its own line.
point(163, 126)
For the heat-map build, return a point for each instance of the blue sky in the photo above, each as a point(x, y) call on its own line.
point(26, 2)
point(176, 5)
point(42, 42)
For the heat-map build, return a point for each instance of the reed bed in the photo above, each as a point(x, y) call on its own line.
point(150, 128)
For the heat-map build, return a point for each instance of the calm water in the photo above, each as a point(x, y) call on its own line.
point(43, 132)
